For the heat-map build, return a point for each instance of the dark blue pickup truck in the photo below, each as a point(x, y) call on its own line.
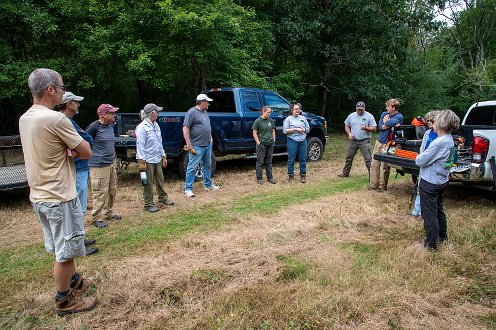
point(232, 113)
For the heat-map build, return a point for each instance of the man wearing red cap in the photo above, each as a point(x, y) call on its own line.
point(103, 176)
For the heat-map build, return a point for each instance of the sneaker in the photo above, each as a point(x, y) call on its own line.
point(88, 250)
point(259, 181)
point(303, 178)
point(189, 193)
point(342, 175)
point(81, 286)
point(291, 178)
point(212, 187)
point(72, 304)
point(99, 224)
point(152, 209)
point(88, 242)
point(116, 217)
point(271, 181)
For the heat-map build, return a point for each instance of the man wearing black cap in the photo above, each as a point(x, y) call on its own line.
point(151, 156)
point(359, 126)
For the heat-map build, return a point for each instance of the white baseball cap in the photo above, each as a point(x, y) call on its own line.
point(69, 96)
point(203, 97)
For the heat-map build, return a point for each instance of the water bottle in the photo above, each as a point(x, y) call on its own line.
point(144, 179)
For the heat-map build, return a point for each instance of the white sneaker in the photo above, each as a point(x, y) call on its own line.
point(189, 193)
point(212, 187)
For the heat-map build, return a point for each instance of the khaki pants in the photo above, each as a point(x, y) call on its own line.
point(375, 170)
point(155, 175)
point(104, 187)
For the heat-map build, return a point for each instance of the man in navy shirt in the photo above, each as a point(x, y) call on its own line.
point(390, 119)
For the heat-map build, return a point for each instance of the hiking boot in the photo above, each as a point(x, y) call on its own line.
point(303, 178)
point(291, 178)
point(88, 242)
point(167, 202)
point(260, 181)
point(374, 189)
point(72, 304)
point(342, 175)
point(152, 209)
point(272, 181)
point(99, 224)
point(88, 250)
point(116, 217)
point(81, 286)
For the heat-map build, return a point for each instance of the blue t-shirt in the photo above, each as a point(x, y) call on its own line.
point(81, 164)
point(397, 118)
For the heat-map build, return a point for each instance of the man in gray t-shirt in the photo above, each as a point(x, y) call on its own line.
point(198, 137)
point(359, 126)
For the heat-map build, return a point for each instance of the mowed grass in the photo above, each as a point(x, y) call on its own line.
point(322, 255)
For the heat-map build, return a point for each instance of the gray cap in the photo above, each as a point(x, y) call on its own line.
point(152, 107)
point(69, 96)
point(360, 104)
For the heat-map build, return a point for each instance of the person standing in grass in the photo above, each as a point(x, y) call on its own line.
point(359, 126)
point(103, 175)
point(428, 137)
point(389, 120)
point(435, 162)
point(49, 143)
point(264, 133)
point(296, 127)
point(151, 157)
point(70, 108)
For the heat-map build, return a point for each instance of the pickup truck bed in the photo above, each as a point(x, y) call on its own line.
point(12, 169)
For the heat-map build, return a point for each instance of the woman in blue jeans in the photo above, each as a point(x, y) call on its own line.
point(296, 128)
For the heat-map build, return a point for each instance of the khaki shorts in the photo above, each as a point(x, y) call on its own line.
point(63, 228)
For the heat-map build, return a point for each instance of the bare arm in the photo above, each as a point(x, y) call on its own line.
point(187, 138)
point(83, 150)
point(347, 129)
point(255, 136)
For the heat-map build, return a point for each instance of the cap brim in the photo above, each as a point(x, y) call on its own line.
point(160, 108)
point(77, 98)
point(113, 109)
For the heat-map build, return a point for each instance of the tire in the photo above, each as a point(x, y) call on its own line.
point(315, 149)
point(183, 165)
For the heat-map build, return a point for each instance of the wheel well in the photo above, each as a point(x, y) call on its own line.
point(315, 132)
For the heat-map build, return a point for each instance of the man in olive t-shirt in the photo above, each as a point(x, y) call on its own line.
point(264, 133)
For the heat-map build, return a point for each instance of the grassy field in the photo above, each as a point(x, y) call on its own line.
point(327, 254)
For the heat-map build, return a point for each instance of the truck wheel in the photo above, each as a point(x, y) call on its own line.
point(315, 149)
point(183, 165)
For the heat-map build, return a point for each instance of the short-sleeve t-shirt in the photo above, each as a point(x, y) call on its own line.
point(103, 144)
point(45, 137)
point(264, 128)
point(355, 122)
point(200, 132)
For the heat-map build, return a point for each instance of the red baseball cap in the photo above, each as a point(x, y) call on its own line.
point(105, 108)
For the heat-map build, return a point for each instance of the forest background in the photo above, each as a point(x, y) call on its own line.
point(326, 54)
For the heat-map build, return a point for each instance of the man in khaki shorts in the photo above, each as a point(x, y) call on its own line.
point(49, 142)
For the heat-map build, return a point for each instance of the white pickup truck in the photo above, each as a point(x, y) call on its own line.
point(474, 159)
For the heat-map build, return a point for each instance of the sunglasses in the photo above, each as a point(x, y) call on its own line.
point(430, 120)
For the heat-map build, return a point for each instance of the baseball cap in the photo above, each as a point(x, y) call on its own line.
point(105, 108)
point(360, 104)
point(203, 97)
point(70, 96)
point(152, 107)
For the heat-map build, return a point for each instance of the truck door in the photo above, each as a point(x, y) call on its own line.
point(280, 110)
point(251, 106)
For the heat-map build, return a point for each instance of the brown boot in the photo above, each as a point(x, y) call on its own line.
point(81, 286)
point(303, 178)
point(291, 178)
point(72, 304)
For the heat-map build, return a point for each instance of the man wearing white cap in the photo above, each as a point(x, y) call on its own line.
point(151, 156)
point(198, 136)
point(70, 108)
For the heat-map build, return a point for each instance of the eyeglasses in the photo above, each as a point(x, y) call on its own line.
point(430, 120)
point(62, 87)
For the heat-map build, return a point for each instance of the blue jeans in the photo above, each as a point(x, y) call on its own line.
point(416, 209)
point(203, 154)
point(82, 188)
point(297, 149)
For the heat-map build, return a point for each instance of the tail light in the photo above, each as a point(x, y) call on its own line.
point(480, 146)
